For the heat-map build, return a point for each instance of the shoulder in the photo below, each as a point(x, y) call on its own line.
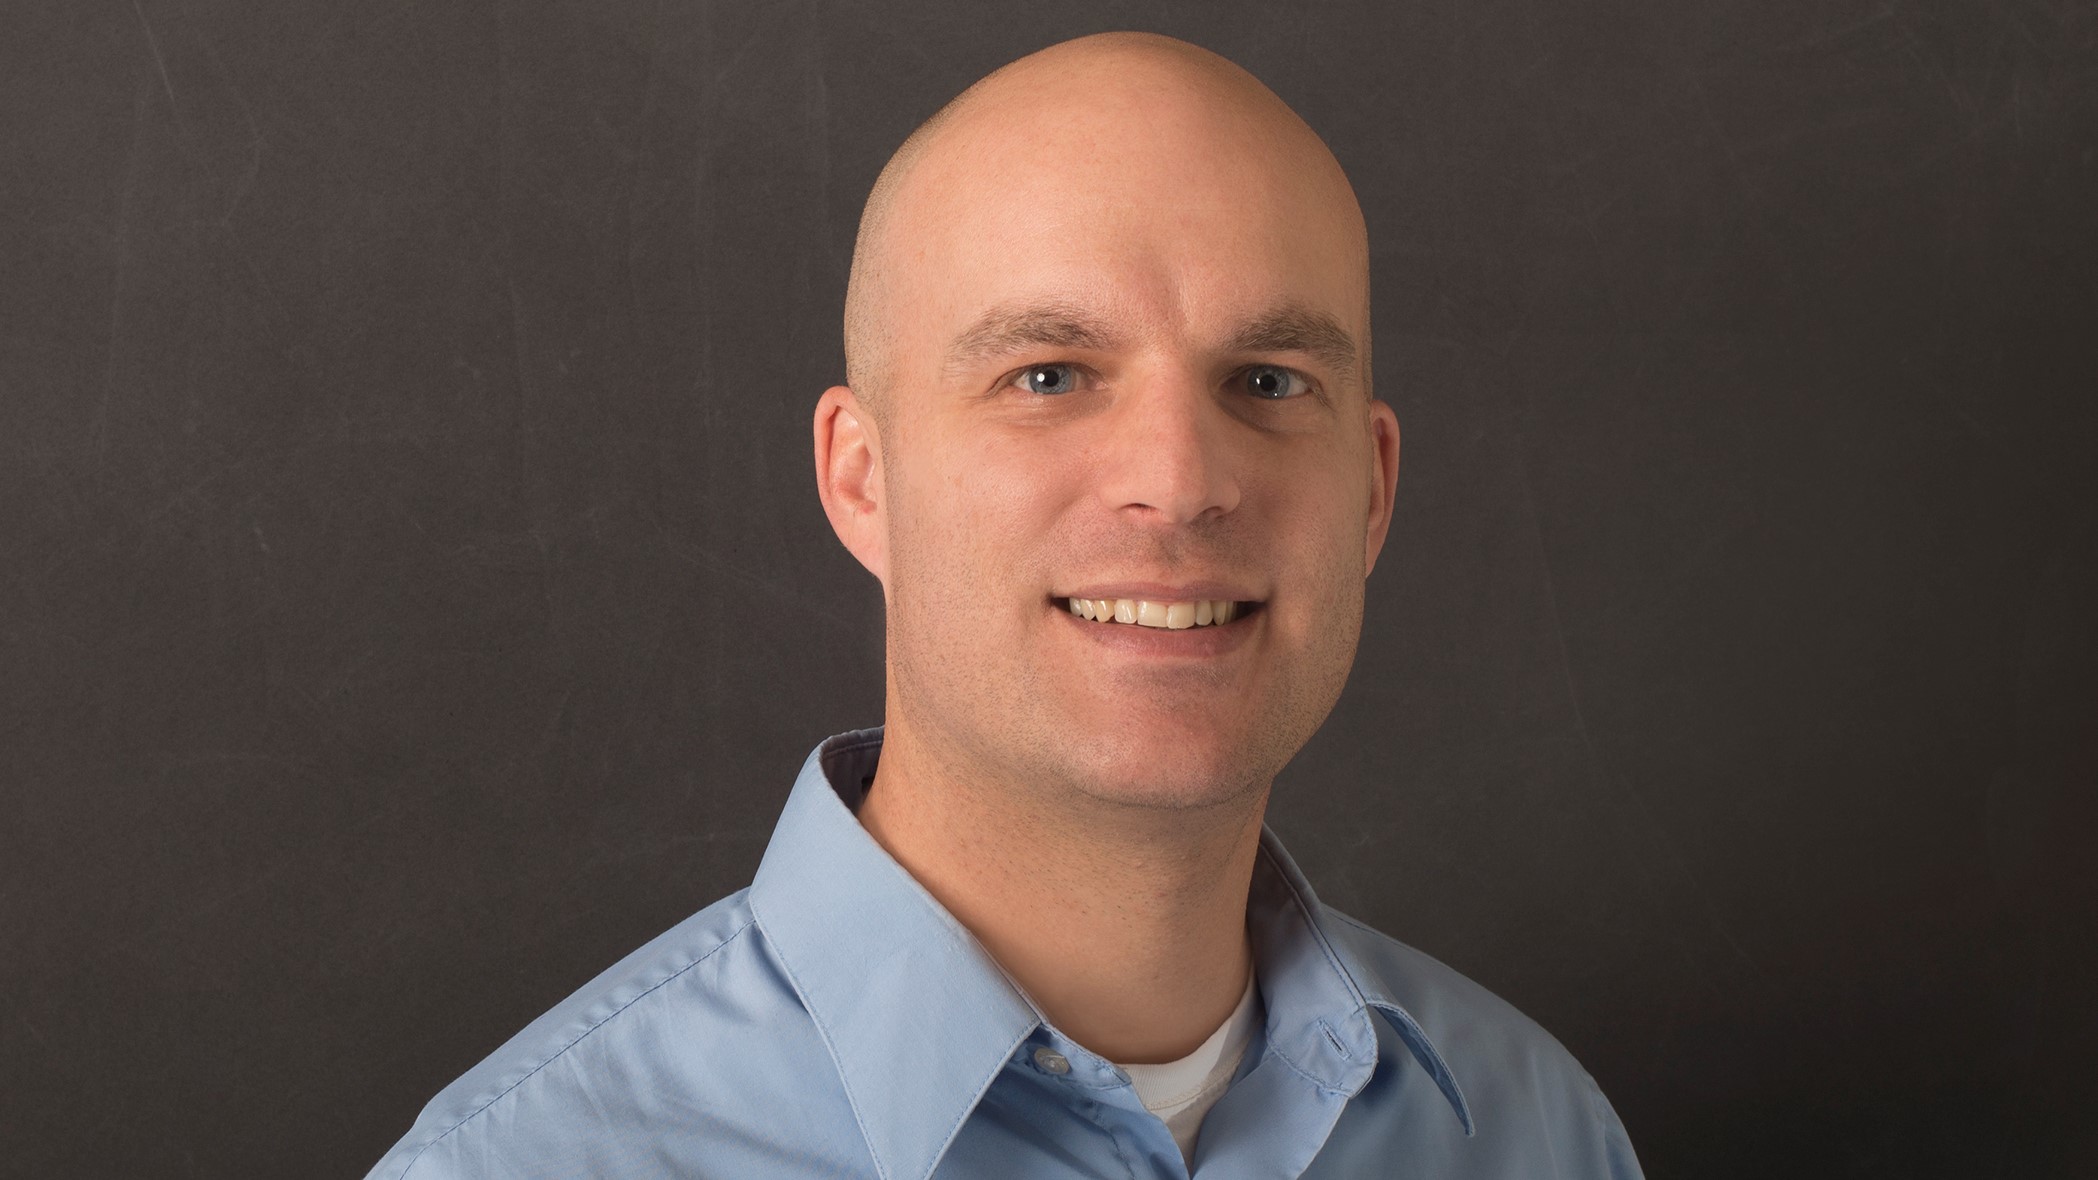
point(665, 1024)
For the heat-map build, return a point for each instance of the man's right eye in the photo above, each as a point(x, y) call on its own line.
point(1048, 379)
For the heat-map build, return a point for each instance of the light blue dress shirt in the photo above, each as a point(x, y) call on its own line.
point(834, 1020)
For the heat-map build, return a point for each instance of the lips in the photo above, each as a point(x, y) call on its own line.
point(1219, 589)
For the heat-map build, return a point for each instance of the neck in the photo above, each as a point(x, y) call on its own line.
point(1126, 926)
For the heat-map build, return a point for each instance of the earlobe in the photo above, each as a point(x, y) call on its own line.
point(848, 478)
point(1384, 480)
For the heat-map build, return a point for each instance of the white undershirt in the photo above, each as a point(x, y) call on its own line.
point(1181, 1092)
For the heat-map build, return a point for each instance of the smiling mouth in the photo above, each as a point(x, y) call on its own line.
point(1143, 612)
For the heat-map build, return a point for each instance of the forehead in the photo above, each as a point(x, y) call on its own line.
point(1178, 213)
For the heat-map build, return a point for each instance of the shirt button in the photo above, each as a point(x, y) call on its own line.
point(1052, 1061)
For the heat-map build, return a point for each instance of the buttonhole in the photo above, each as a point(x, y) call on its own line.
point(1337, 1046)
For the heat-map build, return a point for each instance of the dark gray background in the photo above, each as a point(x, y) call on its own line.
point(415, 596)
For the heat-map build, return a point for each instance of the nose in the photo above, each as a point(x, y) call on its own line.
point(1169, 453)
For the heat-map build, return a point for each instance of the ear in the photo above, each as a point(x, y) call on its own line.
point(1384, 479)
point(848, 478)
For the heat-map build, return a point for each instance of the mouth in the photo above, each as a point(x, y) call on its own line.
point(1162, 614)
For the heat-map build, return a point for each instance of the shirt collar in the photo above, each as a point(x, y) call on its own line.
point(1319, 991)
point(871, 954)
point(865, 945)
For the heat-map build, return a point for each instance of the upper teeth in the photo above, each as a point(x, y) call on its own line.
point(1144, 613)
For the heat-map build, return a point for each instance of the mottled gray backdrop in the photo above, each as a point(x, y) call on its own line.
point(413, 593)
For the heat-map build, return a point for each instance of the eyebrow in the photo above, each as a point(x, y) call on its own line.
point(1296, 328)
point(1014, 328)
point(1004, 330)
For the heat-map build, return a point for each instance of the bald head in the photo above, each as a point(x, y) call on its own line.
point(1085, 130)
point(1108, 337)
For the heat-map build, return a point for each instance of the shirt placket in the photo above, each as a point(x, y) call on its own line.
point(1141, 1142)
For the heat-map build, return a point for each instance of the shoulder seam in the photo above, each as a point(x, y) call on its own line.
point(1599, 1108)
point(557, 1054)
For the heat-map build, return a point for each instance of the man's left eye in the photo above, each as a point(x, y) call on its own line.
point(1050, 379)
point(1274, 382)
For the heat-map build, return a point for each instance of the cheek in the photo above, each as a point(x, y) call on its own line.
point(1318, 529)
point(983, 514)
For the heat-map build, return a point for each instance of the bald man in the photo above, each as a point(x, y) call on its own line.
point(1108, 443)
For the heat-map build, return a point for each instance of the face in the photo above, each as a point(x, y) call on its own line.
point(1138, 379)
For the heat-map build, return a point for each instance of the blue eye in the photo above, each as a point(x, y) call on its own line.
point(1274, 383)
point(1049, 379)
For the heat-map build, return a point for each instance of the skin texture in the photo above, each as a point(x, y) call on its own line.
point(1086, 798)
